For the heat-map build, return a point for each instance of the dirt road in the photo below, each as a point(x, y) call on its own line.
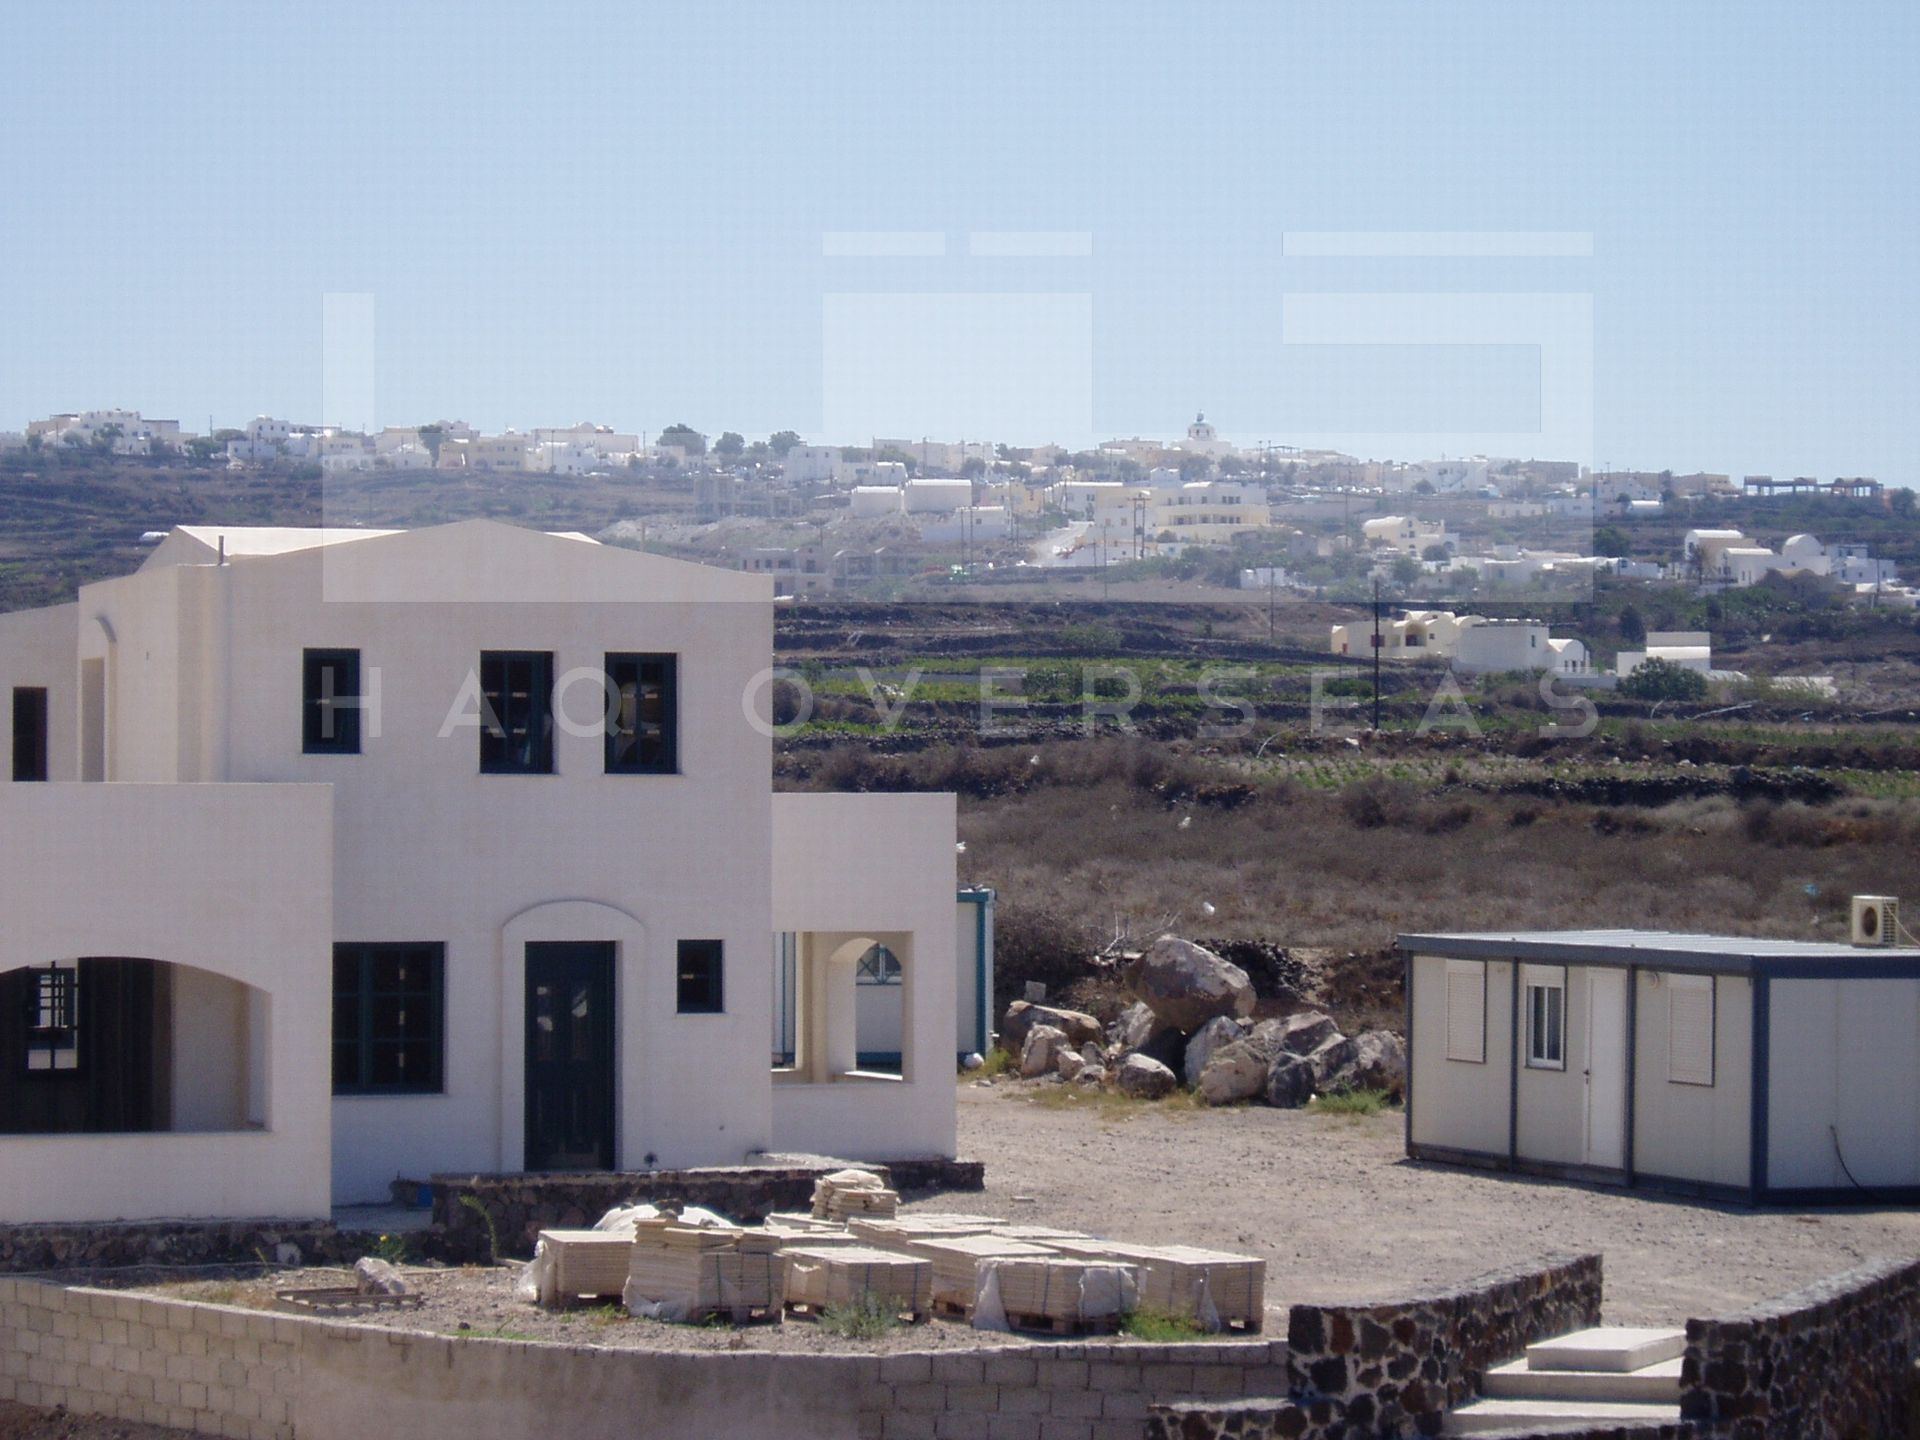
point(1340, 1213)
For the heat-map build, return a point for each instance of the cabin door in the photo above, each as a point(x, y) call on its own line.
point(1606, 1072)
point(570, 1056)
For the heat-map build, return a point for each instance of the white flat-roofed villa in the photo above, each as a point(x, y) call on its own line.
point(332, 856)
point(1746, 1069)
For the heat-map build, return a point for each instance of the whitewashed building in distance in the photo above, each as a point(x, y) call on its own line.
point(336, 856)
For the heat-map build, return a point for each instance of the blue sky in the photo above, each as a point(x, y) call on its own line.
point(617, 212)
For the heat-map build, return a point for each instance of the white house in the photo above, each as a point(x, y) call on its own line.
point(1472, 643)
point(1689, 649)
point(334, 856)
point(1749, 1069)
point(1406, 533)
point(810, 464)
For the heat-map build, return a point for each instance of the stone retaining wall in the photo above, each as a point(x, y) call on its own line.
point(257, 1376)
point(1393, 1369)
point(176, 1242)
point(520, 1206)
point(1830, 1362)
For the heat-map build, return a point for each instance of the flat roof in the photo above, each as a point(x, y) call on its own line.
point(1674, 950)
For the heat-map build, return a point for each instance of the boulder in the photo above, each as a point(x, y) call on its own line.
point(1068, 1064)
point(1135, 1028)
point(1037, 1054)
point(1235, 1071)
point(1094, 1056)
point(1207, 1039)
point(1305, 1031)
point(1187, 984)
point(1022, 1017)
point(1144, 1078)
point(1379, 1062)
point(374, 1276)
point(1332, 1065)
point(1289, 1083)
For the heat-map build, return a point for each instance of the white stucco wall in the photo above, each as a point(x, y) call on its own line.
point(858, 865)
point(1844, 1080)
point(235, 880)
point(1694, 1132)
point(37, 651)
point(1458, 1104)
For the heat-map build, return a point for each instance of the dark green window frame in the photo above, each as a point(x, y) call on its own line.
point(643, 714)
point(389, 1019)
point(29, 733)
point(700, 977)
point(516, 732)
point(330, 702)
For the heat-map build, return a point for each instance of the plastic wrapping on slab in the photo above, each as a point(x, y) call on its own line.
point(1205, 1313)
point(623, 1217)
point(535, 1285)
point(988, 1312)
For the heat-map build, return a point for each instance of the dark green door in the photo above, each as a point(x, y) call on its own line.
point(570, 1074)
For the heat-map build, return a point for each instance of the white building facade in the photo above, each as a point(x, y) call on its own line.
point(453, 849)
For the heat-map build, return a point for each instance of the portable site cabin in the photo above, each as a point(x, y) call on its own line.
point(1744, 1069)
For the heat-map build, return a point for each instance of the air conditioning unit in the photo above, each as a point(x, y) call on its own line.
point(1876, 920)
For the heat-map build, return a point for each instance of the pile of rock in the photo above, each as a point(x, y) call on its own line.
point(1192, 1020)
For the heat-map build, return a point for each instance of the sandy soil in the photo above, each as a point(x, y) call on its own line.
point(1338, 1211)
point(480, 1303)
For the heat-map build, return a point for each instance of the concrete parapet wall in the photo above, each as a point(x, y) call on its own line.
point(257, 1376)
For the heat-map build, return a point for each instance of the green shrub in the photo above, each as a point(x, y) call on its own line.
point(868, 1318)
point(1664, 680)
point(1351, 1102)
point(1150, 1322)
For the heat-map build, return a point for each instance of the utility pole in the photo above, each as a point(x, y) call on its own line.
point(1376, 654)
point(1270, 574)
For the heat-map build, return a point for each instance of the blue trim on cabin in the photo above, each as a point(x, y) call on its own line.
point(981, 898)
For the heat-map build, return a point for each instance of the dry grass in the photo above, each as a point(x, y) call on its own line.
point(1082, 837)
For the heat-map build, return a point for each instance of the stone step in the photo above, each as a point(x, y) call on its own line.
point(1658, 1383)
point(1612, 1348)
point(1491, 1417)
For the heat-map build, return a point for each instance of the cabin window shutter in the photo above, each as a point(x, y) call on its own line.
point(1467, 1011)
point(1690, 1029)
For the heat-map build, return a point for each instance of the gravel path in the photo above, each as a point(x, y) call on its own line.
point(1339, 1213)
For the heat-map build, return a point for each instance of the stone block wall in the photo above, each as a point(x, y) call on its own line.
point(26, 1248)
point(521, 1206)
point(256, 1376)
point(1393, 1369)
point(1833, 1361)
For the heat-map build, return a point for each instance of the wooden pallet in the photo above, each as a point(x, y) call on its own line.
point(805, 1310)
point(1062, 1324)
point(744, 1315)
point(945, 1309)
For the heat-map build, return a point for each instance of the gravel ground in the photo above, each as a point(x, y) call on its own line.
point(21, 1422)
point(1340, 1213)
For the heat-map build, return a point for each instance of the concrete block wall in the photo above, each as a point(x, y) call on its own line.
point(257, 1376)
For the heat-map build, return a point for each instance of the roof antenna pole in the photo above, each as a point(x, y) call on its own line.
point(1376, 654)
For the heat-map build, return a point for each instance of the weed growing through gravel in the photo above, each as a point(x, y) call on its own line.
point(1350, 1102)
point(1150, 1322)
point(868, 1318)
point(1109, 1104)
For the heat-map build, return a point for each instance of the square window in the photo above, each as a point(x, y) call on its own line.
point(330, 702)
point(516, 728)
point(1546, 1012)
point(388, 1019)
point(643, 723)
point(698, 977)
